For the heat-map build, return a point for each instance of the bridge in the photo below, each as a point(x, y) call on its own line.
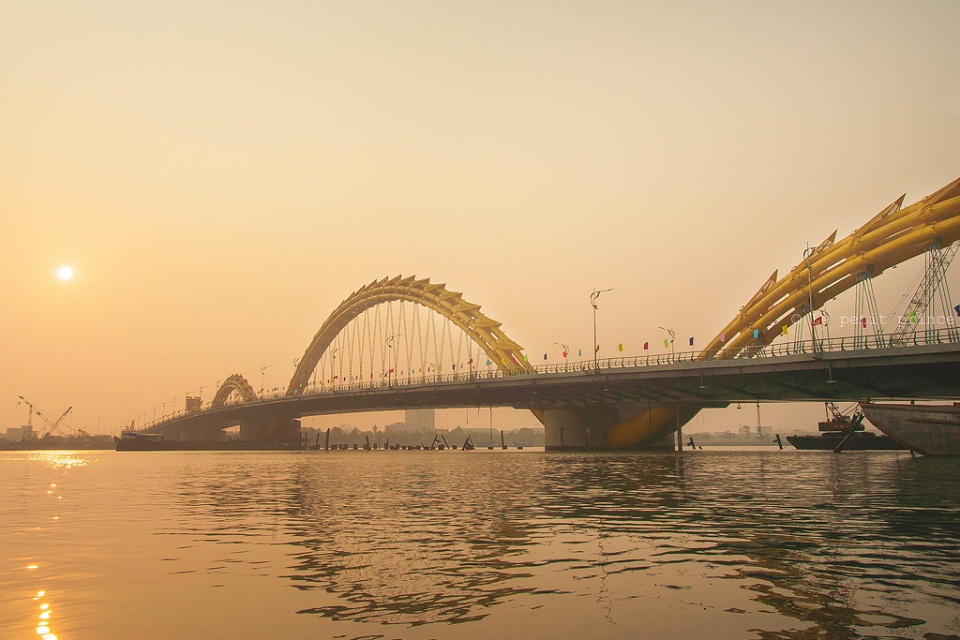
point(382, 349)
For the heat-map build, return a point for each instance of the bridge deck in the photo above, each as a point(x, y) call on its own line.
point(914, 372)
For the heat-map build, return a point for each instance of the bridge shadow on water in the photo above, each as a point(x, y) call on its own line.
point(752, 544)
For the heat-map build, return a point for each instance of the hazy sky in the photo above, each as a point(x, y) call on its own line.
point(220, 175)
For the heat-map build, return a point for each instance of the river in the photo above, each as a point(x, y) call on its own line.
point(455, 544)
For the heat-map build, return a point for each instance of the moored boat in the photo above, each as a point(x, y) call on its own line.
point(842, 432)
point(931, 430)
point(860, 441)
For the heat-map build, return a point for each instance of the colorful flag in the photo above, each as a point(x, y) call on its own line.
point(525, 358)
point(784, 329)
point(544, 356)
point(470, 361)
point(620, 346)
point(913, 317)
point(488, 362)
point(723, 337)
point(579, 353)
point(646, 346)
point(957, 309)
point(756, 333)
point(666, 343)
point(565, 353)
point(863, 322)
point(596, 349)
point(818, 320)
point(691, 341)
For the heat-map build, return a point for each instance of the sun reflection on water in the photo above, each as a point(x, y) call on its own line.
point(59, 459)
point(43, 626)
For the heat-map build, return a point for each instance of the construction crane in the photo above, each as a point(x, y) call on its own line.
point(52, 425)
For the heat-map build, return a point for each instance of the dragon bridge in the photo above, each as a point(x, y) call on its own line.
point(504, 352)
point(894, 235)
point(235, 383)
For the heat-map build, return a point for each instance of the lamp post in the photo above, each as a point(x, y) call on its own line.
point(388, 344)
point(262, 370)
point(566, 350)
point(333, 367)
point(593, 303)
point(673, 336)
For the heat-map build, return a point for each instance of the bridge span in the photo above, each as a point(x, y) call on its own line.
point(373, 351)
point(583, 406)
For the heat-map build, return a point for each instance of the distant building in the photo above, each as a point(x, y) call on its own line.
point(19, 433)
point(421, 419)
point(747, 431)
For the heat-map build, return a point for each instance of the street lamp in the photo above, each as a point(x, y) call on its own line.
point(673, 336)
point(262, 370)
point(593, 303)
point(388, 344)
point(566, 349)
point(333, 367)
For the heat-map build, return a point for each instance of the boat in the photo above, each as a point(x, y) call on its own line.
point(841, 432)
point(132, 440)
point(859, 441)
point(930, 430)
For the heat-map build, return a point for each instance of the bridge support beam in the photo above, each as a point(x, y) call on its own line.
point(590, 428)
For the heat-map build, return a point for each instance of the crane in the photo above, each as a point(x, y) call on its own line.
point(52, 425)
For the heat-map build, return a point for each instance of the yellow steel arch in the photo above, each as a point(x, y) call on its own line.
point(892, 236)
point(237, 383)
point(507, 354)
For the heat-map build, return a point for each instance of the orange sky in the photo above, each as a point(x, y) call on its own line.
point(221, 175)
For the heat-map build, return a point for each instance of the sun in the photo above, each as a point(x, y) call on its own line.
point(65, 272)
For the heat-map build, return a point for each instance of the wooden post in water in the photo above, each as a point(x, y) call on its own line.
point(502, 445)
point(326, 441)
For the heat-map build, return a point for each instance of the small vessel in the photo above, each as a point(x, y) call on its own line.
point(859, 441)
point(841, 432)
point(931, 430)
point(133, 440)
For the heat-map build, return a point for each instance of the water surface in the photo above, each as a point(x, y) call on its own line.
point(418, 544)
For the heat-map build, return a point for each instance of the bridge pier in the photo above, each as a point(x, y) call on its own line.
point(271, 429)
point(595, 427)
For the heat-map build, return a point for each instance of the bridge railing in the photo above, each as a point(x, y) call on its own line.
point(808, 347)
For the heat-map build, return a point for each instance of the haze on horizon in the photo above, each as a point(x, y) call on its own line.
point(219, 176)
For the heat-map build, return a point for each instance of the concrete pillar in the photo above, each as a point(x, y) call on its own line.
point(589, 427)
